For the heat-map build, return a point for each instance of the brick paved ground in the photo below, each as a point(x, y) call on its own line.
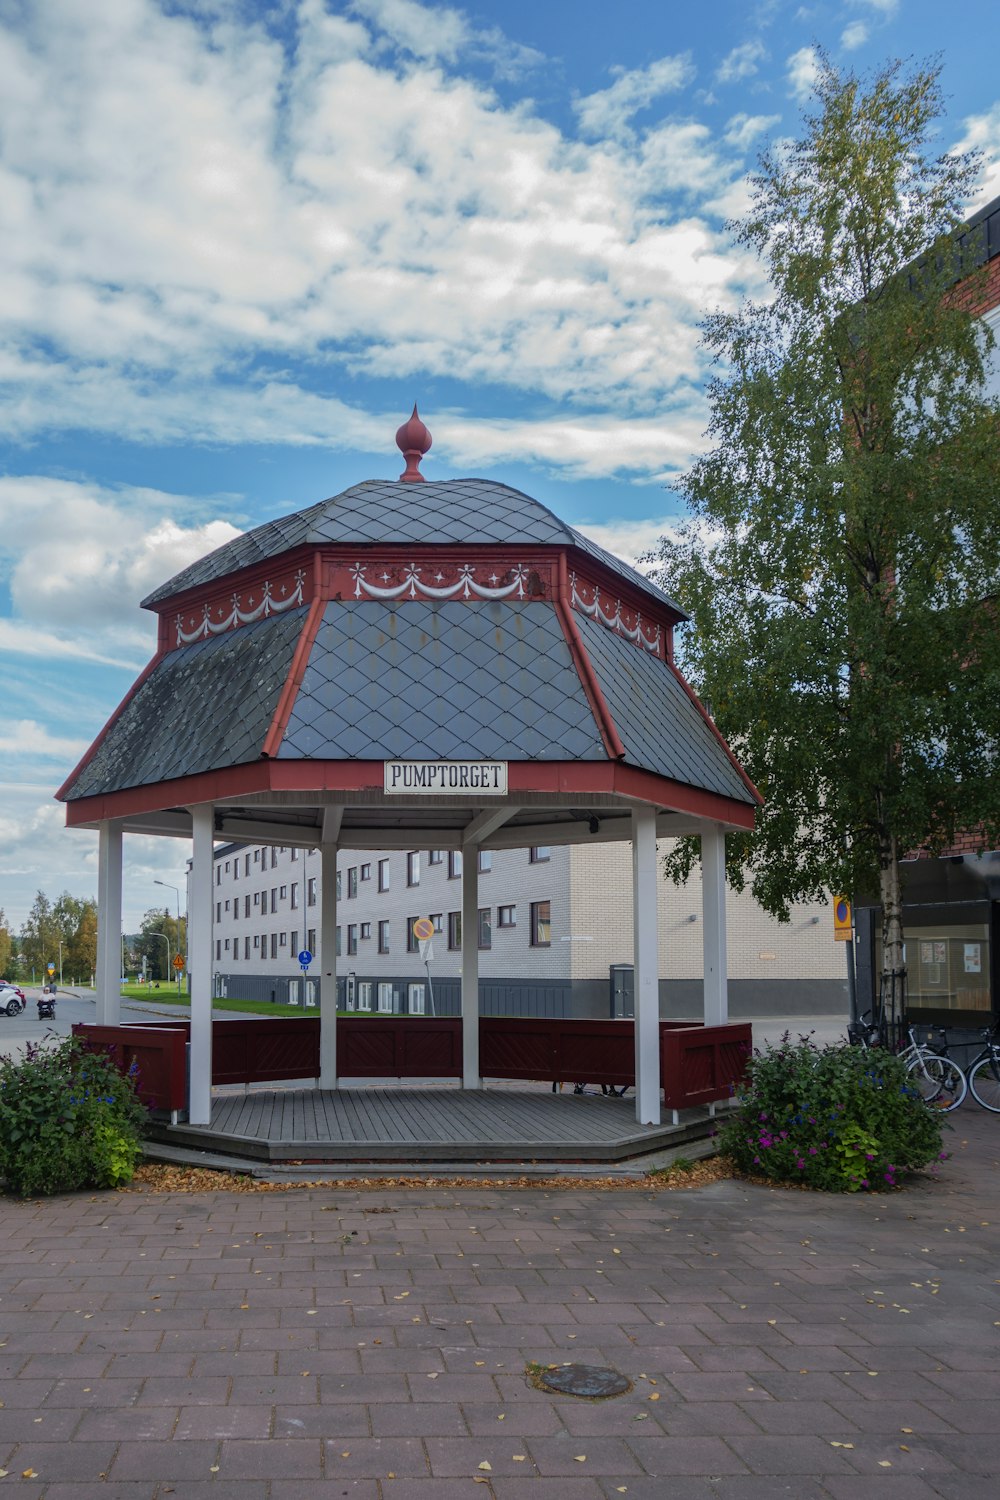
point(328, 1342)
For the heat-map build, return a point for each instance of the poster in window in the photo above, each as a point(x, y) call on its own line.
point(926, 953)
point(973, 958)
point(940, 953)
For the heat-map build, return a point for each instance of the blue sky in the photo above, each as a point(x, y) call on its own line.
point(241, 239)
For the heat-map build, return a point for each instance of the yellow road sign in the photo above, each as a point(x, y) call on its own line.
point(423, 929)
point(842, 920)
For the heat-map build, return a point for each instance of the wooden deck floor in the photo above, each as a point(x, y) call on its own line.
point(426, 1124)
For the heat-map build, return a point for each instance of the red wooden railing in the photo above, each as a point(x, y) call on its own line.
point(698, 1064)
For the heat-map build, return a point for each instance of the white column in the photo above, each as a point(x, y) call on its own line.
point(470, 967)
point(109, 924)
point(646, 957)
point(713, 886)
point(328, 967)
point(199, 935)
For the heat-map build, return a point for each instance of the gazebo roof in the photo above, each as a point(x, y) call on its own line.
point(441, 512)
point(450, 622)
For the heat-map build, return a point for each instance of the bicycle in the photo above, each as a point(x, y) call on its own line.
point(984, 1073)
point(937, 1078)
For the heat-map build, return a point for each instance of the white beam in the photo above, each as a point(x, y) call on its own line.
point(487, 822)
point(199, 936)
point(260, 831)
point(109, 924)
point(471, 1078)
point(713, 886)
point(645, 955)
point(332, 819)
point(328, 967)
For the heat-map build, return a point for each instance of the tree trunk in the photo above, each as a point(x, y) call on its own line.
point(893, 977)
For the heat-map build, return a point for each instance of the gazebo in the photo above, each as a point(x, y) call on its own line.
point(412, 663)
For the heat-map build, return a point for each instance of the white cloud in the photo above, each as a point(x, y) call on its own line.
point(853, 36)
point(28, 737)
point(79, 557)
point(431, 33)
point(982, 133)
point(803, 70)
point(742, 62)
point(321, 204)
point(629, 539)
point(742, 130)
point(608, 112)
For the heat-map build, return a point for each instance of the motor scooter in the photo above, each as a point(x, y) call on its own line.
point(46, 1006)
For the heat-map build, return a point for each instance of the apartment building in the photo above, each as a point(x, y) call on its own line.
point(554, 935)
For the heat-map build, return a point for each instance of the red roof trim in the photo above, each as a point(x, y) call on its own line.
point(235, 782)
point(584, 668)
point(296, 672)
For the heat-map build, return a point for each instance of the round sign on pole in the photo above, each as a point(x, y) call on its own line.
point(305, 958)
point(423, 929)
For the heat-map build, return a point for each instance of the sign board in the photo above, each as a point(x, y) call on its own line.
point(423, 928)
point(842, 923)
point(426, 950)
point(178, 962)
point(305, 958)
point(445, 778)
point(51, 968)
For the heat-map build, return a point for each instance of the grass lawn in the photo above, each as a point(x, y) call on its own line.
point(167, 995)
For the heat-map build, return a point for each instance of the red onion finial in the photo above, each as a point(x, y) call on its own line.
point(413, 441)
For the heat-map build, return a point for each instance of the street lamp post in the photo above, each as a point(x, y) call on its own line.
point(167, 886)
point(162, 935)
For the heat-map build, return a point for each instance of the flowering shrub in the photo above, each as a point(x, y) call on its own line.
point(68, 1119)
point(838, 1118)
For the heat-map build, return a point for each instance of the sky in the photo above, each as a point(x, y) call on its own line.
point(241, 239)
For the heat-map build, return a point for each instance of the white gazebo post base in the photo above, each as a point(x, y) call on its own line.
point(713, 885)
point(200, 964)
point(328, 967)
point(109, 924)
point(647, 967)
point(471, 1078)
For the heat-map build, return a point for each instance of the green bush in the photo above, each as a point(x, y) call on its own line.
point(68, 1119)
point(838, 1118)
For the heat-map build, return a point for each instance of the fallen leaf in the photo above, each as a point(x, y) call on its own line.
point(487, 1466)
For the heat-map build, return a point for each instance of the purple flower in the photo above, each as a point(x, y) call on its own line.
point(812, 1151)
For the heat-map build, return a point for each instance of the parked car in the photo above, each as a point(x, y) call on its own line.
point(11, 1000)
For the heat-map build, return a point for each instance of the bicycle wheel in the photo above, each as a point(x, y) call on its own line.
point(984, 1083)
point(939, 1081)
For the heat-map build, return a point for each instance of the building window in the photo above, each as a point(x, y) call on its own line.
point(282, 939)
point(236, 950)
point(412, 941)
point(541, 924)
point(311, 890)
point(434, 856)
point(227, 906)
point(274, 899)
point(256, 898)
point(274, 945)
point(226, 945)
point(256, 940)
point(247, 869)
point(218, 874)
point(506, 916)
point(352, 882)
point(413, 868)
point(383, 937)
point(485, 927)
point(283, 892)
point(366, 931)
point(454, 929)
point(366, 872)
point(485, 861)
point(294, 943)
point(218, 948)
point(539, 856)
point(415, 999)
point(236, 869)
point(339, 885)
point(256, 856)
point(246, 905)
point(295, 855)
point(311, 940)
point(352, 938)
point(218, 911)
point(227, 867)
point(385, 998)
point(364, 1001)
point(295, 895)
point(338, 942)
point(454, 863)
point(246, 942)
point(437, 917)
point(383, 874)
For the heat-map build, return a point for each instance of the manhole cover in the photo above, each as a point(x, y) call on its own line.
point(594, 1381)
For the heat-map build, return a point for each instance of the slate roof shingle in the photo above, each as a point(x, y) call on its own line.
point(440, 512)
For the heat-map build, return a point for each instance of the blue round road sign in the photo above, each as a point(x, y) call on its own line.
point(305, 958)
